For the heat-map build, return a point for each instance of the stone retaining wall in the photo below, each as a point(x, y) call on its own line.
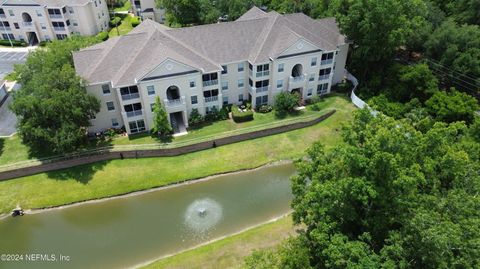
point(109, 155)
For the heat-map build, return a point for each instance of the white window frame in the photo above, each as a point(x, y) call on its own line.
point(114, 108)
point(150, 87)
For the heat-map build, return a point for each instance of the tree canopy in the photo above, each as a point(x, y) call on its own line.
point(52, 106)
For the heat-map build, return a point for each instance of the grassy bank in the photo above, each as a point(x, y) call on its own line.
point(230, 252)
point(124, 28)
point(116, 177)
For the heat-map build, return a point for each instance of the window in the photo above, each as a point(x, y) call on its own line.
point(54, 13)
point(241, 83)
point(263, 70)
point(240, 98)
point(39, 14)
point(250, 82)
point(110, 106)
point(241, 67)
point(5, 24)
point(192, 83)
point(64, 10)
point(250, 66)
point(8, 36)
point(11, 12)
point(2, 13)
point(260, 100)
point(70, 10)
point(150, 90)
point(224, 85)
point(95, 3)
point(327, 58)
point(16, 25)
point(281, 67)
point(314, 61)
point(106, 89)
point(68, 22)
point(136, 126)
point(74, 23)
point(225, 100)
point(309, 92)
point(322, 88)
point(324, 73)
point(194, 99)
point(115, 122)
point(58, 24)
point(43, 26)
point(130, 92)
point(225, 69)
point(152, 105)
point(311, 77)
point(210, 79)
point(133, 110)
point(279, 83)
point(61, 36)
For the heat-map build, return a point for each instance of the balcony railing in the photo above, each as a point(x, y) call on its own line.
point(210, 82)
point(55, 16)
point(130, 96)
point(211, 99)
point(60, 29)
point(2, 16)
point(323, 77)
point(262, 73)
point(297, 79)
point(174, 102)
point(27, 23)
point(134, 113)
point(260, 89)
point(328, 61)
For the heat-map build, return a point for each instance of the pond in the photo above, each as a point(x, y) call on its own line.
point(128, 231)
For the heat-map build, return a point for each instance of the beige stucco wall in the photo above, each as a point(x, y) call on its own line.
point(104, 118)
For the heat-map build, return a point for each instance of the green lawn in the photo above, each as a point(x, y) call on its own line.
point(230, 252)
point(126, 6)
point(116, 177)
point(124, 28)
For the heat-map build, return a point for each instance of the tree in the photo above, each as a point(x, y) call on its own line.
point(183, 12)
point(452, 106)
point(161, 125)
point(52, 106)
point(415, 81)
point(285, 102)
point(390, 197)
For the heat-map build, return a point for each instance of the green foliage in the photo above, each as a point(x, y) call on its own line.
point(15, 43)
point(102, 36)
point(183, 12)
point(135, 21)
point(195, 118)
point(452, 106)
point(475, 129)
point(265, 108)
point(285, 102)
point(390, 196)
point(52, 106)
point(240, 115)
point(161, 125)
point(115, 21)
point(415, 81)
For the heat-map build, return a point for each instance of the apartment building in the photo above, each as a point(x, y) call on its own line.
point(41, 20)
point(254, 58)
point(147, 9)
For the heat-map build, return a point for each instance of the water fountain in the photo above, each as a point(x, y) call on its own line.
point(203, 214)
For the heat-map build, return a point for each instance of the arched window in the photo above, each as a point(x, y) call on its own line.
point(173, 93)
point(297, 71)
point(26, 17)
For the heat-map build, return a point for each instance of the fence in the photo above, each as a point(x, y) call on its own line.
point(88, 157)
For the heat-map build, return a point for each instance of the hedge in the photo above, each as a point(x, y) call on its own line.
point(15, 43)
point(115, 21)
point(102, 36)
point(239, 116)
point(135, 21)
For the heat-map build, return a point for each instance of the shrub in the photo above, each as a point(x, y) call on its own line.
point(212, 115)
point(43, 43)
point(15, 43)
point(241, 116)
point(285, 102)
point(135, 21)
point(195, 118)
point(102, 36)
point(223, 113)
point(115, 21)
point(265, 108)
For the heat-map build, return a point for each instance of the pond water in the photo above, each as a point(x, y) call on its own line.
point(128, 231)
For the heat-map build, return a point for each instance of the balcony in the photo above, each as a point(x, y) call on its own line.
point(5, 28)
point(171, 103)
point(130, 96)
point(324, 77)
point(259, 89)
point(210, 82)
point(59, 29)
point(2, 16)
point(55, 16)
point(262, 73)
point(27, 23)
point(327, 61)
point(211, 99)
point(297, 79)
point(134, 113)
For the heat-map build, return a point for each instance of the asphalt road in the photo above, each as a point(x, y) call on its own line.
point(8, 59)
point(7, 119)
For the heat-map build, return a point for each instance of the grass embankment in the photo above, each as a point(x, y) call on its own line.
point(230, 252)
point(126, 7)
point(116, 177)
point(124, 28)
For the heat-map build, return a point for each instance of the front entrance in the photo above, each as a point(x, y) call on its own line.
point(32, 38)
point(299, 92)
point(178, 125)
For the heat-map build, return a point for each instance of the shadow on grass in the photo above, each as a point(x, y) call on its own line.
point(282, 115)
point(200, 126)
point(158, 139)
point(2, 144)
point(82, 173)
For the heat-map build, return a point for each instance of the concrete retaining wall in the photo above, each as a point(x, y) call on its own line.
point(108, 155)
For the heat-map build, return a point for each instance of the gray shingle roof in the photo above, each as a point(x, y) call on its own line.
point(256, 37)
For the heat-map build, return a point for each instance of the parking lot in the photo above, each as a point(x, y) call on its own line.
point(8, 59)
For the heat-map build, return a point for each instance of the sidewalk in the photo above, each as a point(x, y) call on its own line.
point(18, 49)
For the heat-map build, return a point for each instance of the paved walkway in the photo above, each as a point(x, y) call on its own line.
point(8, 120)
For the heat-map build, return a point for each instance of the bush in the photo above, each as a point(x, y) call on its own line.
point(212, 115)
point(15, 43)
point(195, 118)
point(115, 21)
point(102, 36)
point(223, 113)
point(241, 116)
point(135, 21)
point(265, 108)
point(285, 102)
point(43, 43)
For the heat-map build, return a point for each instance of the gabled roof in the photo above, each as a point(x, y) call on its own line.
point(256, 37)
